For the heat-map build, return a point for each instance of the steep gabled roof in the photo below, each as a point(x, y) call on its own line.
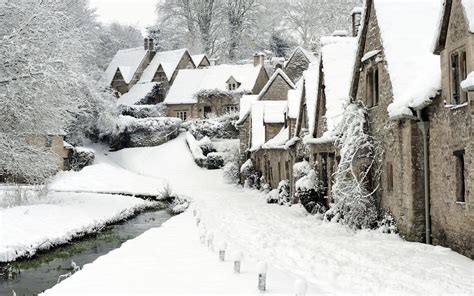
point(169, 60)
point(198, 58)
point(137, 93)
point(190, 82)
point(276, 74)
point(128, 61)
point(414, 71)
point(265, 112)
point(468, 8)
point(307, 54)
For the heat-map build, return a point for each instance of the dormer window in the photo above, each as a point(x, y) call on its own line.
point(232, 84)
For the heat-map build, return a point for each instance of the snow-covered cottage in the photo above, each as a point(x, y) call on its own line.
point(451, 136)
point(142, 75)
point(426, 136)
point(333, 82)
point(198, 93)
point(298, 62)
point(266, 123)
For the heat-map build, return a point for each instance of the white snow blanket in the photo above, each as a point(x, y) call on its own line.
point(58, 218)
point(332, 258)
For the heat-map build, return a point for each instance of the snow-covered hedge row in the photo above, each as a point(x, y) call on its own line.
point(218, 127)
point(143, 132)
point(143, 111)
point(196, 150)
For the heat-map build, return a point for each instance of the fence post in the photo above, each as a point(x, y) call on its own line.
point(237, 260)
point(262, 276)
point(222, 248)
point(210, 243)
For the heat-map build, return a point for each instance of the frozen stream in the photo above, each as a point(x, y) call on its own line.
point(42, 271)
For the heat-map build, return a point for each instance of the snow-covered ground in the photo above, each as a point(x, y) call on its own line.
point(58, 218)
point(332, 258)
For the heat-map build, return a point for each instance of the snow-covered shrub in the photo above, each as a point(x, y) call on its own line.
point(143, 111)
point(80, 157)
point(196, 151)
point(206, 146)
point(284, 192)
point(251, 177)
point(308, 192)
point(179, 204)
point(231, 172)
point(301, 169)
point(214, 161)
point(272, 196)
point(352, 191)
point(265, 187)
point(387, 224)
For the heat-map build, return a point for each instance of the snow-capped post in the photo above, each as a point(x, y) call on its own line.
point(202, 235)
point(198, 218)
point(194, 212)
point(210, 240)
point(222, 248)
point(262, 276)
point(237, 259)
point(300, 287)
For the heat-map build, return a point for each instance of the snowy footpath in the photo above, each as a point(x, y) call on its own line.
point(330, 257)
point(72, 207)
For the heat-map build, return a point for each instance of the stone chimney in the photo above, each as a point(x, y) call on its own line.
point(145, 43)
point(356, 14)
point(258, 59)
point(213, 62)
point(151, 44)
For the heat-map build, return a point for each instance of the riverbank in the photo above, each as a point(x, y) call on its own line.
point(330, 257)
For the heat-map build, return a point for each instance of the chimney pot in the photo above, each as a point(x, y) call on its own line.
point(258, 59)
point(356, 14)
point(151, 44)
point(145, 43)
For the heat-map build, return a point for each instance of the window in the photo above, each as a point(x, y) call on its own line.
point(458, 74)
point(460, 177)
point(232, 86)
point(183, 115)
point(207, 111)
point(279, 171)
point(287, 169)
point(372, 87)
point(389, 171)
point(231, 109)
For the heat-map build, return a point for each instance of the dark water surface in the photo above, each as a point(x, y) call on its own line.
point(42, 271)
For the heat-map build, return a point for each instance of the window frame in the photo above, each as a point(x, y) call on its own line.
point(457, 73)
point(460, 171)
point(183, 115)
point(389, 170)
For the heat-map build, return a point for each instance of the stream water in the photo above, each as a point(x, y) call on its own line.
point(43, 270)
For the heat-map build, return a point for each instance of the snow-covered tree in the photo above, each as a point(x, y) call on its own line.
point(357, 172)
point(47, 50)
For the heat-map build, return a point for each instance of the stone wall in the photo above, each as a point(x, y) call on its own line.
point(272, 129)
point(274, 165)
point(296, 66)
point(262, 79)
point(278, 90)
point(451, 130)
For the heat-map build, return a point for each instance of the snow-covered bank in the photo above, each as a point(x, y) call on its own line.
point(58, 218)
point(331, 257)
point(171, 260)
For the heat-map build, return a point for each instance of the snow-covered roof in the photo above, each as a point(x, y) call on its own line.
point(245, 105)
point(279, 141)
point(265, 112)
point(468, 84)
point(169, 60)
point(128, 61)
point(309, 55)
point(294, 99)
point(311, 81)
point(414, 70)
point(191, 81)
point(197, 59)
point(138, 92)
point(276, 74)
point(357, 10)
point(337, 61)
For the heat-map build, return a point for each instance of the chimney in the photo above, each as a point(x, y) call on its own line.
point(339, 33)
point(213, 62)
point(356, 14)
point(151, 44)
point(145, 43)
point(258, 59)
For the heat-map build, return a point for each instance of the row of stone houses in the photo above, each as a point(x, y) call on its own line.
point(420, 107)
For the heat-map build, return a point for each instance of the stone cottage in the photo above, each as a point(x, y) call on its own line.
point(198, 93)
point(298, 62)
point(333, 80)
point(266, 125)
point(426, 134)
point(449, 119)
point(144, 76)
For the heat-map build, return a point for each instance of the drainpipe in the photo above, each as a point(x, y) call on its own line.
point(424, 127)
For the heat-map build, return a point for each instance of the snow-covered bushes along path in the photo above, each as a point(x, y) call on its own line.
point(332, 257)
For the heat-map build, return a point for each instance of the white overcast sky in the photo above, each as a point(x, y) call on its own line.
point(138, 13)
